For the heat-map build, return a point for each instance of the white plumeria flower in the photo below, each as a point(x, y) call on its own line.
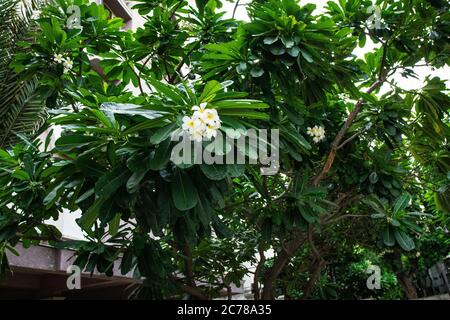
point(200, 112)
point(200, 108)
point(203, 123)
point(192, 124)
point(58, 58)
point(68, 65)
point(317, 133)
point(321, 131)
point(211, 131)
point(211, 116)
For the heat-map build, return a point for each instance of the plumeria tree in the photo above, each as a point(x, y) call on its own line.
point(364, 164)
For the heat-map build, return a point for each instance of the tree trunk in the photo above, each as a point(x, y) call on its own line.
point(260, 265)
point(316, 270)
point(407, 284)
point(283, 257)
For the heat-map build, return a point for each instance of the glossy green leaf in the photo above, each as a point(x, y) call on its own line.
point(184, 193)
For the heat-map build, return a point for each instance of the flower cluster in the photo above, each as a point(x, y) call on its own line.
point(66, 62)
point(317, 132)
point(203, 123)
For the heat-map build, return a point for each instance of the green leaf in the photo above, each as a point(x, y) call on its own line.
point(203, 211)
point(241, 68)
point(127, 262)
point(211, 88)
point(75, 140)
point(405, 241)
point(184, 193)
point(235, 170)
point(270, 40)
point(161, 156)
point(294, 51)
point(170, 91)
point(394, 222)
point(21, 175)
point(89, 166)
point(295, 137)
point(52, 195)
point(362, 40)
point(88, 218)
point(249, 114)
point(215, 172)
point(111, 181)
point(163, 133)
point(373, 178)
point(85, 195)
point(149, 124)
point(401, 202)
point(135, 179)
point(307, 56)
point(257, 72)
point(307, 214)
point(240, 104)
point(277, 50)
point(114, 225)
point(388, 237)
point(131, 110)
point(288, 42)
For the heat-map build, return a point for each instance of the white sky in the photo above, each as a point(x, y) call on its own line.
point(405, 83)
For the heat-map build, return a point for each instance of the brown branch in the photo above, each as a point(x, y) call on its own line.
point(283, 257)
point(175, 9)
point(172, 78)
point(316, 270)
point(188, 264)
point(382, 72)
point(140, 73)
point(235, 8)
point(259, 266)
point(352, 116)
point(353, 137)
point(340, 136)
point(311, 243)
point(195, 292)
point(317, 265)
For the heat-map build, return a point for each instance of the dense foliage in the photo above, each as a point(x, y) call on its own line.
point(364, 177)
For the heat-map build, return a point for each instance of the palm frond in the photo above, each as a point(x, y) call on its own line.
point(21, 109)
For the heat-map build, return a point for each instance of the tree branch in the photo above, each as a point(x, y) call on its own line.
point(337, 141)
point(317, 265)
point(235, 8)
point(352, 116)
point(283, 257)
point(260, 265)
point(195, 292)
point(188, 265)
point(140, 73)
